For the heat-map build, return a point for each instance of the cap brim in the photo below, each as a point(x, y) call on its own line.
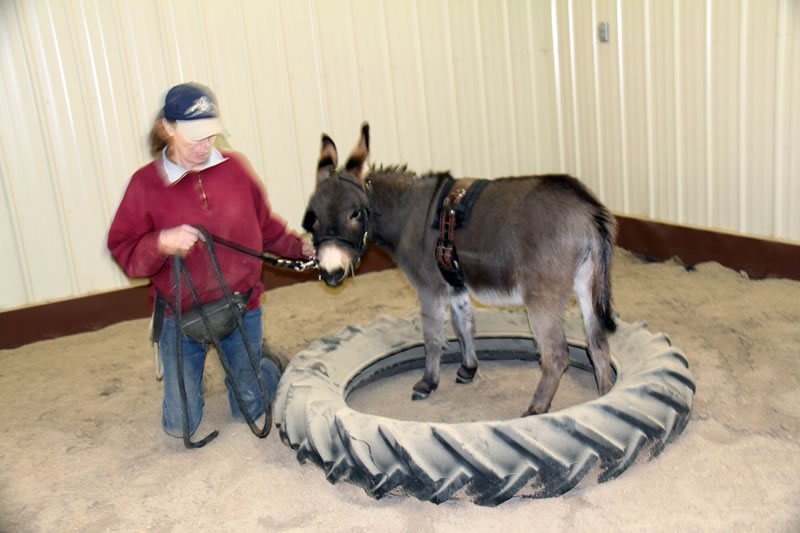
point(201, 128)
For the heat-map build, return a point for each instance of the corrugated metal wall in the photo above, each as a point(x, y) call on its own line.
point(688, 114)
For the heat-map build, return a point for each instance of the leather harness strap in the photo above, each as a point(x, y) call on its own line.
point(455, 205)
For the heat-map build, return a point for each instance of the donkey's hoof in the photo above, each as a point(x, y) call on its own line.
point(465, 375)
point(605, 386)
point(530, 411)
point(417, 395)
point(423, 389)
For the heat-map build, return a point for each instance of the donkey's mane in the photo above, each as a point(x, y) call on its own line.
point(397, 180)
point(393, 169)
point(403, 170)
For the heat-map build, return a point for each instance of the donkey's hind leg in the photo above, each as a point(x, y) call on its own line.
point(595, 334)
point(545, 322)
point(433, 320)
point(464, 326)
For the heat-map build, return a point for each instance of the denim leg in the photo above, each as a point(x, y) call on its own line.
point(194, 357)
point(242, 369)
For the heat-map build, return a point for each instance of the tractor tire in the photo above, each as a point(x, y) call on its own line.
point(488, 461)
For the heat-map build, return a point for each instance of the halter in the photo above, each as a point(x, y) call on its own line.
point(360, 244)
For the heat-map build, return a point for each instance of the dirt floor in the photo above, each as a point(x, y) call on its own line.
point(81, 446)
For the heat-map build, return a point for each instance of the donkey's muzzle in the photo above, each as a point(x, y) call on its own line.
point(336, 260)
point(333, 278)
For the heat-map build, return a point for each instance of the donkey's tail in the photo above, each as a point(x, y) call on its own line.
point(606, 228)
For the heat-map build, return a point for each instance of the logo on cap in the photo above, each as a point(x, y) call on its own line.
point(201, 107)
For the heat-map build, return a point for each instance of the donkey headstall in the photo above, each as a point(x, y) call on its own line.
point(358, 244)
point(338, 212)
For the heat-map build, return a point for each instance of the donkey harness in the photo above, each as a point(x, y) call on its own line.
point(452, 212)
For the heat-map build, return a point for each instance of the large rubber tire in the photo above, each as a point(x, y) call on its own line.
point(488, 462)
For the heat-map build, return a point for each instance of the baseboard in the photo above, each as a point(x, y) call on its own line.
point(90, 313)
point(759, 258)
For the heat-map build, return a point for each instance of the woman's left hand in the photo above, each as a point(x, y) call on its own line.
point(308, 250)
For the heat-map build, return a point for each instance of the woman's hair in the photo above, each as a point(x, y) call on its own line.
point(157, 138)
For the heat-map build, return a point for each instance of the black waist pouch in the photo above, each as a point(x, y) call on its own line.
point(220, 316)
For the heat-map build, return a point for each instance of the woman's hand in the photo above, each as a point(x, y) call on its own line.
point(308, 250)
point(178, 240)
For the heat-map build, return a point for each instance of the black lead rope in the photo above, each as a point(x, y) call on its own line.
point(294, 264)
point(182, 270)
point(187, 441)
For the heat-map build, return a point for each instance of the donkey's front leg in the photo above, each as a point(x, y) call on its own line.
point(433, 319)
point(464, 325)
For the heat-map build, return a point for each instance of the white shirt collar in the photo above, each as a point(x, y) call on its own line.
point(175, 172)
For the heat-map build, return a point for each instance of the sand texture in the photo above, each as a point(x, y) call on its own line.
point(81, 446)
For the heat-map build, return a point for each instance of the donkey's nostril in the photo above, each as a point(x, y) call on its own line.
point(332, 278)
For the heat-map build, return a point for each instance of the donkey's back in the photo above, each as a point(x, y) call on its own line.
point(529, 235)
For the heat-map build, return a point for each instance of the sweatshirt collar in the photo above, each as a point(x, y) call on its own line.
point(175, 172)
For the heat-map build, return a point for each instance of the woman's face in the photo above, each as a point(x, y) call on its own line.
point(191, 155)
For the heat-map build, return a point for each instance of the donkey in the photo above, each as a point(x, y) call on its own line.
point(527, 241)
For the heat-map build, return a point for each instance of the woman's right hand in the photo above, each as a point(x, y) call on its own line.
point(178, 240)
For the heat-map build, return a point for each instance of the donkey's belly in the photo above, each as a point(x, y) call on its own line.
point(497, 297)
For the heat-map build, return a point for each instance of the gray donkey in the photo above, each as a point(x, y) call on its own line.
point(508, 241)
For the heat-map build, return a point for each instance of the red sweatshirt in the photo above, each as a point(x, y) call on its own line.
point(235, 208)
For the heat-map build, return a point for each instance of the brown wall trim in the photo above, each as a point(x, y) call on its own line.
point(759, 258)
point(77, 315)
point(89, 313)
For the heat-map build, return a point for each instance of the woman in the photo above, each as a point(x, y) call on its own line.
point(191, 183)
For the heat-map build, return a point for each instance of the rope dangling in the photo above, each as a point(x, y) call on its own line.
point(187, 441)
point(182, 271)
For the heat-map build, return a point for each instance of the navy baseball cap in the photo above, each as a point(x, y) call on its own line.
point(194, 108)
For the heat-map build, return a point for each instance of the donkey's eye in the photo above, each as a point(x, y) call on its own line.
point(356, 215)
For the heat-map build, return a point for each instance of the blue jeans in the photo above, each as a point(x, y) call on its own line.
point(194, 357)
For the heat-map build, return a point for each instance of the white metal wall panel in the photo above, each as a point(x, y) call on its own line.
point(788, 113)
point(410, 102)
point(375, 84)
point(495, 68)
point(33, 192)
point(16, 275)
point(662, 173)
point(442, 114)
point(757, 132)
point(585, 113)
point(690, 113)
point(608, 99)
point(536, 113)
point(340, 77)
point(270, 98)
point(635, 119)
point(563, 25)
point(307, 92)
point(723, 105)
point(692, 155)
point(470, 84)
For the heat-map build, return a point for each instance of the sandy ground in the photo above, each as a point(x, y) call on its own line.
point(81, 447)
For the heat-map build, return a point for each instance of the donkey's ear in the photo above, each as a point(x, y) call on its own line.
point(327, 158)
point(358, 162)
